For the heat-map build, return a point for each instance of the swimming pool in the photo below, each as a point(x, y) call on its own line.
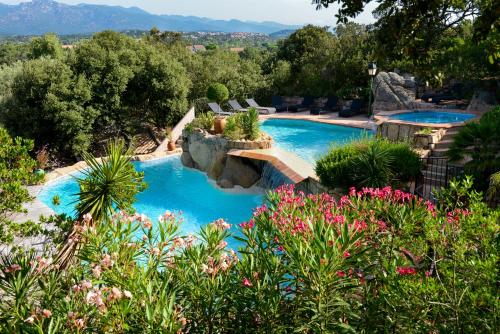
point(171, 186)
point(309, 140)
point(432, 117)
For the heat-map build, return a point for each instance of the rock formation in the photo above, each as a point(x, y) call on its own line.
point(209, 153)
point(392, 91)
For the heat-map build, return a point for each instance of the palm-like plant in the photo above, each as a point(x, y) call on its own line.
point(109, 184)
point(481, 142)
point(372, 167)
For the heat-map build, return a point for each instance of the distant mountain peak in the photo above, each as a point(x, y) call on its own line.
point(42, 16)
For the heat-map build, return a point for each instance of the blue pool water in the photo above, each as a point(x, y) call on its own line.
point(432, 117)
point(171, 186)
point(307, 139)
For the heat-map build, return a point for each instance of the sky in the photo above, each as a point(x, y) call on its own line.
point(283, 11)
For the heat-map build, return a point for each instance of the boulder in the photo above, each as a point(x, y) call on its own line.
point(240, 172)
point(392, 91)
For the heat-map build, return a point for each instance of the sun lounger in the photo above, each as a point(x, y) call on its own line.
point(263, 110)
point(216, 108)
point(306, 104)
point(236, 106)
point(281, 106)
point(330, 105)
point(354, 110)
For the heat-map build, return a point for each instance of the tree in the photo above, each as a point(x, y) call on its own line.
point(218, 93)
point(46, 46)
point(159, 90)
point(16, 171)
point(50, 104)
point(109, 60)
point(412, 31)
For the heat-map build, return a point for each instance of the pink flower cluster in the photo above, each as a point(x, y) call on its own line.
point(406, 271)
point(456, 215)
point(225, 261)
point(221, 225)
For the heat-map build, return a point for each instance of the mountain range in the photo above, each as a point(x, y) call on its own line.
point(42, 16)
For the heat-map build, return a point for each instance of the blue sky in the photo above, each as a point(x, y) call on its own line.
point(285, 11)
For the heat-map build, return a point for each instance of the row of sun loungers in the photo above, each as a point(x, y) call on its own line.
point(236, 107)
point(316, 106)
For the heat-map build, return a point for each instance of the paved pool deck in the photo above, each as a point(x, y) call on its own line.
point(359, 121)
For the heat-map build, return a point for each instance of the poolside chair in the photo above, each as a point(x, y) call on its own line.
point(236, 106)
point(262, 110)
point(280, 105)
point(354, 109)
point(306, 103)
point(216, 108)
point(330, 106)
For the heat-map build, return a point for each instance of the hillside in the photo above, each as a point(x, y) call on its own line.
point(42, 16)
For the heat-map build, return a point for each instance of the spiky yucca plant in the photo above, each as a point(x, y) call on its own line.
point(109, 184)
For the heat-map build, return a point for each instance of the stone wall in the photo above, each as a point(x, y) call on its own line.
point(208, 153)
point(396, 131)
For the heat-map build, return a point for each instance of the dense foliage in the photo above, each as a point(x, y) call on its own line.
point(16, 171)
point(369, 163)
point(244, 125)
point(378, 260)
point(479, 141)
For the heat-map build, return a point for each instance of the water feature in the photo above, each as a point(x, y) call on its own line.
point(272, 178)
point(434, 117)
point(309, 140)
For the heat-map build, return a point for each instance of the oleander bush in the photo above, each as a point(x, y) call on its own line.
point(369, 163)
point(377, 260)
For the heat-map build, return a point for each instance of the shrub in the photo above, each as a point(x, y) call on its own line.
point(243, 125)
point(203, 121)
point(481, 142)
point(218, 93)
point(16, 172)
point(369, 162)
point(364, 263)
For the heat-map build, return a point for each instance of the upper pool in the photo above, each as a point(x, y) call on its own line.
point(432, 117)
point(308, 139)
point(171, 186)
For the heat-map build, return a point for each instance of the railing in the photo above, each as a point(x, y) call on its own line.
point(177, 130)
point(436, 173)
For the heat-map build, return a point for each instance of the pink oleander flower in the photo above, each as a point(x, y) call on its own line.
point(127, 294)
point(246, 282)
point(406, 271)
point(248, 225)
point(340, 273)
point(46, 313)
point(222, 245)
point(86, 285)
point(115, 294)
point(106, 261)
point(346, 254)
point(147, 224)
point(79, 323)
point(97, 271)
point(155, 251)
point(87, 218)
point(12, 268)
point(30, 320)
point(221, 224)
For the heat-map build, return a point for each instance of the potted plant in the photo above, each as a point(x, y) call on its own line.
point(42, 159)
point(171, 142)
point(218, 93)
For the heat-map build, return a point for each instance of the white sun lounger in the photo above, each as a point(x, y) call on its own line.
point(266, 110)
